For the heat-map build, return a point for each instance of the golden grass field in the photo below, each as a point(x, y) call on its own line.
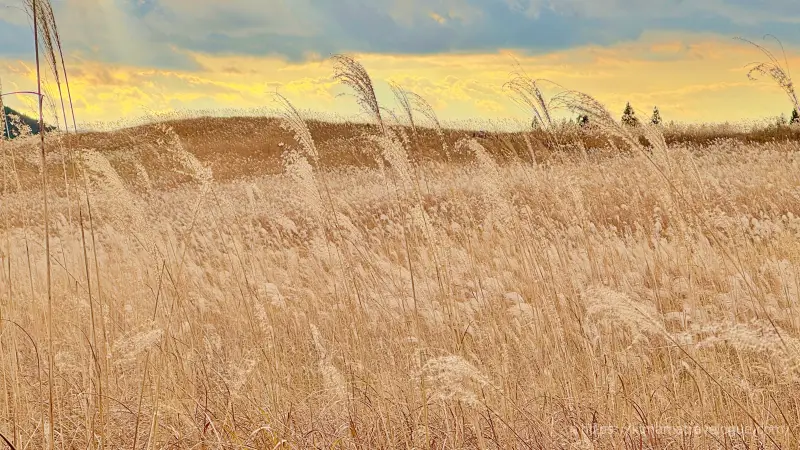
point(387, 285)
point(639, 299)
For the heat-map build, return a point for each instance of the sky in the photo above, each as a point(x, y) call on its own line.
point(129, 59)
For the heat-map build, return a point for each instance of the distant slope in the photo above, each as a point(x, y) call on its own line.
point(14, 128)
point(237, 147)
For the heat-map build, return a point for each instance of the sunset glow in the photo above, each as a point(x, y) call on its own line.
point(125, 61)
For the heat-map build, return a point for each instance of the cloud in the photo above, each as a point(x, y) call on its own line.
point(741, 12)
point(162, 33)
point(16, 35)
point(128, 55)
point(104, 30)
point(690, 77)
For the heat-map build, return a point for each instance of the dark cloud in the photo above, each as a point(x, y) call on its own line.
point(16, 39)
point(153, 32)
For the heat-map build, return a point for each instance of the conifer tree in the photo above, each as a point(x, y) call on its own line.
point(656, 120)
point(629, 116)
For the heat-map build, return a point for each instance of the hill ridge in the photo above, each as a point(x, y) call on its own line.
point(11, 129)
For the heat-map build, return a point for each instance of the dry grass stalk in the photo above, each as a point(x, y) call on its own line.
point(773, 69)
point(351, 73)
point(403, 97)
point(4, 131)
point(36, 12)
point(53, 26)
point(527, 92)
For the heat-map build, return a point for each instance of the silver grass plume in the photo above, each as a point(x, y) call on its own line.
point(351, 73)
point(294, 123)
point(526, 91)
point(773, 69)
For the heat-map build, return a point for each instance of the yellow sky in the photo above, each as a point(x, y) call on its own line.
point(690, 77)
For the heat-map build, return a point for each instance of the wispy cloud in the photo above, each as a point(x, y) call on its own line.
point(130, 56)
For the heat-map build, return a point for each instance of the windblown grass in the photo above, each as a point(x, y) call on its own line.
point(490, 297)
point(588, 298)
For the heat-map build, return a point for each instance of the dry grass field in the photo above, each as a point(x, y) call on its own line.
point(642, 299)
point(387, 286)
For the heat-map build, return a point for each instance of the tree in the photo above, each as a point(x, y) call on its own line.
point(16, 123)
point(656, 120)
point(795, 117)
point(629, 116)
point(583, 120)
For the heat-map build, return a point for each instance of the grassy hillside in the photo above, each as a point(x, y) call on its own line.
point(464, 304)
point(250, 146)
